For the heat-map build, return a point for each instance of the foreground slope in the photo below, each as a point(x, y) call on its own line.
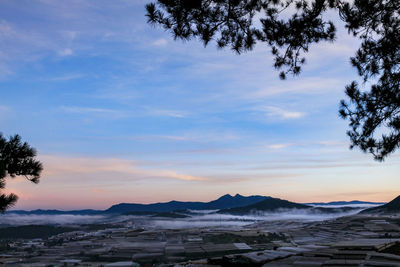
point(270, 204)
point(393, 207)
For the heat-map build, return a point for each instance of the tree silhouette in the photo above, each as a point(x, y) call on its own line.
point(16, 159)
point(289, 27)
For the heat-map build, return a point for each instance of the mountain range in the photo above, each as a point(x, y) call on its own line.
point(237, 204)
point(224, 202)
point(344, 203)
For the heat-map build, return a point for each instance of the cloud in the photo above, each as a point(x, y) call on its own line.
point(66, 52)
point(312, 85)
point(166, 113)
point(26, 45)
point(98, 190)
point(276, 112)
point(3, 111)
point(3, 108)
point(160, 42)
point(117, 113)
point(66, 77)
point(333, 143)
point(185, 177)
point(94, 111)
point(63, 166)
point(197, 136)
point(327, 143)
point(279, 146)
point(86, 110)
point(5, 29)
point(39, 30)
point(70, 35)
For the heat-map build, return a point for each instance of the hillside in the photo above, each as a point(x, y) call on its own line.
point(32, 231)
point(270, 204)
point(393, 207)
point(276, 204)
point(227, 201)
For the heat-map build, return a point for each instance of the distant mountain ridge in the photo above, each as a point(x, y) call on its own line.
point(393, 207)
point(236, 204)
point(276, 204)
point(224, 202)
point(343, 203)
point(55, 212)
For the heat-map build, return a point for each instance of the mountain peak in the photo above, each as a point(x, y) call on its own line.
point(226, 196)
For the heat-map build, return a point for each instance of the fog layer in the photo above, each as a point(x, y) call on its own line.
point(197, 219)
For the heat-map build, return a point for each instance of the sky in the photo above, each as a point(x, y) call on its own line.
point(120, 112)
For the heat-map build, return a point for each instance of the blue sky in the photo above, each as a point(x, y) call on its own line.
point(120, 112)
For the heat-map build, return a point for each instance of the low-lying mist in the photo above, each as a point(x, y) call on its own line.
point(197, 219)
point(359, 206)
point(224, 220)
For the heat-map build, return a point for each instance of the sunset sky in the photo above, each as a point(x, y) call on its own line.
point(120, 112)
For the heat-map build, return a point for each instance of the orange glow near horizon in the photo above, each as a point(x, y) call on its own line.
point(99, 183)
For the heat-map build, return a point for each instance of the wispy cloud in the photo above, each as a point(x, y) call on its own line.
point(5, 30)
point(3, 108)
point(66, 77)
point(3, 111)
point(166, 112)
point(195, 136)
point(93, 111)
point(276, 112)
point(26, 46)
point(66, 52)
point(279, 146)
point(125, 113)
point(307, 86)
point(64, 166)
point(326, 143)
point(160, 42)
point(333, 143)
point(172, 174)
